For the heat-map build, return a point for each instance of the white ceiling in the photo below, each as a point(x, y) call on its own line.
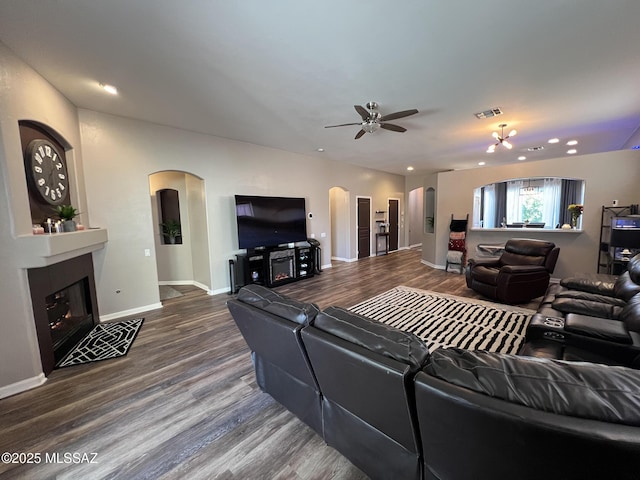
point(275, 72)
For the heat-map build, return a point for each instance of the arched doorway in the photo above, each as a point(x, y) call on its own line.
point(186, 262)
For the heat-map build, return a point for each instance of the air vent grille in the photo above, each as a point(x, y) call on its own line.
point(493, 112)
point(535, 149)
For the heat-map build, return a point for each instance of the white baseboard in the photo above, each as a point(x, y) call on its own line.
point(432, 265)
point(340, 259)
point(22, 386)
point(133, 311)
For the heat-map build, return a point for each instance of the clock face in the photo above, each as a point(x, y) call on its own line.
point(47, 172)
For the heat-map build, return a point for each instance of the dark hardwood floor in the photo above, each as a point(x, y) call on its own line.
point(184, 403)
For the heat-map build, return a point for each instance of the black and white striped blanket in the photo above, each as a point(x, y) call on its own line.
point(449, 321)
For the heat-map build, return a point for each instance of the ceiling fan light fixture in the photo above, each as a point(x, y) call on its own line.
point(491, 149)
point(370, 127)
point(507, 144)
point(512, 133)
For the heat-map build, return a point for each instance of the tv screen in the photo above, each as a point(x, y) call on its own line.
point(270, 221)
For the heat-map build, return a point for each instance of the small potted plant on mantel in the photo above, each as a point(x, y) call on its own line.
point(66, 214)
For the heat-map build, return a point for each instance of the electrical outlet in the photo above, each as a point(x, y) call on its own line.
point(147, 252)
point(323, 235)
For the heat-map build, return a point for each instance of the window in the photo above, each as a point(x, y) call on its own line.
point(535, 202)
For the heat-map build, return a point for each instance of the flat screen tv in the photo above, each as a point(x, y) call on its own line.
point(270, 221)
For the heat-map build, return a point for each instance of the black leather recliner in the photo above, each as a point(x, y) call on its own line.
point(596, 313)
point(270, 324)
point(521, 274)
point(365, 371)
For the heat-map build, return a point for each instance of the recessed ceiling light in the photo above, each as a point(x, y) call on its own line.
point(482, 163)
point(321, 149)
point(554, 140)
point(522, 157)
point(572, 151)
point(572, 142)
point(410, 168)
point(109, 88)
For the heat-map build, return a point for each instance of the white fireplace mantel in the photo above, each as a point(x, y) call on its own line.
point(35, 251)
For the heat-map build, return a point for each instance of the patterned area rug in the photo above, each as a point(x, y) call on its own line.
point(105, 341)
point(449, 321)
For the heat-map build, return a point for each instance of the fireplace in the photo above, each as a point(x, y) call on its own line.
point(64, 303)
point(281, 265)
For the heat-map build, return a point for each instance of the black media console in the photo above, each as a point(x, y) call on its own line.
point(272, 266)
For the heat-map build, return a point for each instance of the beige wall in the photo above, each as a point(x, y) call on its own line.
point(227, 168)
point(607, 176)
point(24, 95)
point(112, 191)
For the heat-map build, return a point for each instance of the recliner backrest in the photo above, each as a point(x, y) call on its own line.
point(524, 251)
point(365, 371)
point(633, 267)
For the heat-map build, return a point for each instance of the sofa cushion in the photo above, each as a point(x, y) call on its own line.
point(594, 283)
point(578, 389)
point(592, 297)
point(374, 336)
point(586, 307)
point(272, 302)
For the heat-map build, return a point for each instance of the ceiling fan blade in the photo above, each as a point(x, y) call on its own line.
point(363, 112)
point(391, 126)
point(343, 125)
point(393, 116)
point(359, 134)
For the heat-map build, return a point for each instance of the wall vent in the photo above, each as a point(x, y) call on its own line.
point(493, 112)
point(535, 149)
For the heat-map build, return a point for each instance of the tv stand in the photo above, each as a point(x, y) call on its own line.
point(272, 266)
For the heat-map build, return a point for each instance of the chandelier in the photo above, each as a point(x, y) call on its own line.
point(501, 139)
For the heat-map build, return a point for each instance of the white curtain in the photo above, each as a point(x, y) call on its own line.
point(489, 206)
point(552, 190)
point(514, 204)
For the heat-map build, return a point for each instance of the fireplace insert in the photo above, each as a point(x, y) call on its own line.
point(282, 265)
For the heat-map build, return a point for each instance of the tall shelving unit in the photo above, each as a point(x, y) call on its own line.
point(604, 254)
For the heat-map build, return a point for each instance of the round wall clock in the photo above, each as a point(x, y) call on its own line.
point(46, 172)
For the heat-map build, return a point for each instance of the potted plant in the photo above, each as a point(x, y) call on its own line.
point(171, 230)
point(66, 214)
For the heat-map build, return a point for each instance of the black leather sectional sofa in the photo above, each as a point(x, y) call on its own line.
point(597, 314)
point(398, 411)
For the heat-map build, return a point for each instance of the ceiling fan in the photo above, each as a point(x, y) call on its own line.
point(372, 119)
point(501, 139)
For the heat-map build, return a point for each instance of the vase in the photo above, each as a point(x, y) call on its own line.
point(69, 225)
point(574, 221)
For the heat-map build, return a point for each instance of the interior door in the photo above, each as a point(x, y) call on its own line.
point(394, 228)
point(364, 227)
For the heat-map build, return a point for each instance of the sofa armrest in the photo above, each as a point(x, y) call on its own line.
point(516, 269)
point(485, 262)
point(594, 327)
